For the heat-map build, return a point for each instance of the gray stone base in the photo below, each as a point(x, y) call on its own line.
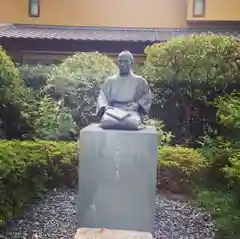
point(117, 179)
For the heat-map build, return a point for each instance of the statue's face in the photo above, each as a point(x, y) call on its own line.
point(124, 64)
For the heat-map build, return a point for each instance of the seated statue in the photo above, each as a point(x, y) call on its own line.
point(125, 98)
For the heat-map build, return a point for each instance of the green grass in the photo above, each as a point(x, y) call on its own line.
point(222, 205)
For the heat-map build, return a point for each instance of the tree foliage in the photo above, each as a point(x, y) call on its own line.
point(77, 79)
point(16, 100)
point(35, 77)
point(190, 65)
point(188, 72)
point(12, 88)
point(53, 121)
point(229, 115)
point(229, 111)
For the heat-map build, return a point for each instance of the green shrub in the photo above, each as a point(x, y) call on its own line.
point(221, 199)
point(76, 81)
point(17, 102)
point(12, 88)
point(233, 170)
point(164, 138)
point(188, 72)
point(10, 81)
point(35, 77)
point(218, 152)
point(51, 120)
point(179, 166)
point(27, 168)
point(54, 121)
point(229, 116)
point(216, 149)
point(187, 63)
point(187, 159)
point(222, 152)
point(229, 111)
point(223, 209)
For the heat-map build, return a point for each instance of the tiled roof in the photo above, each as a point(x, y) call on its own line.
point(100, 33)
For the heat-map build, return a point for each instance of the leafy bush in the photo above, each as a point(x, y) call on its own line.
point(187, 72)
point(12, 89)
point(16, 100)
point(53, 121)
point(229, 115)
point(220, 196)
point(35, 77)
point(233, 170)
point(223, 209)
point(187, 159)
point(77, 79)
point(164, 138)
point(222, 152)
point(217, 152)
point(229, 111)
point(179, 166)
point(28, 167)
point(187, 63)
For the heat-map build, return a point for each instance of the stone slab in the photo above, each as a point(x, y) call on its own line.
point(117, 179)
point(102, 233)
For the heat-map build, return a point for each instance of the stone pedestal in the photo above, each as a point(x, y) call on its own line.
point(117, 179)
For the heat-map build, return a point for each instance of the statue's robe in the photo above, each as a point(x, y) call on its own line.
point(117, 91)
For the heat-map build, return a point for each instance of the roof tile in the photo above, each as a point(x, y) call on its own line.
point(100, 33)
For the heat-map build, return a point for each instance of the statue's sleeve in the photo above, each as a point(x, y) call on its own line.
point(103, 99)
point(145, 100)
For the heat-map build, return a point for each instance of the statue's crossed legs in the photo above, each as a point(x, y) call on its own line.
point(115, 118)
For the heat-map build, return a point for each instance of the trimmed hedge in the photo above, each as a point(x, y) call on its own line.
point(178, 167)
point(28, 168)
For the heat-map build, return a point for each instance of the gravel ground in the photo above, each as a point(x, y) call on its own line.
point(54, 217)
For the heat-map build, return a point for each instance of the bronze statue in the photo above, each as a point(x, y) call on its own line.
point(125, 98)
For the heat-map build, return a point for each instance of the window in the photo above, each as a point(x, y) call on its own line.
point(34, 8)
point(199, 8)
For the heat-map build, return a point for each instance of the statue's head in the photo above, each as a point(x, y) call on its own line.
point(125, 62)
